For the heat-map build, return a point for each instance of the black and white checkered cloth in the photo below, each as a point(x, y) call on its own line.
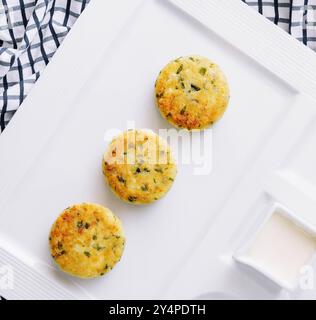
point(30, 33)
point(32, 30)
point(298, 17)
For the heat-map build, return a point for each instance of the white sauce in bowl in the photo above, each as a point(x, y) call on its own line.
point(281, 249)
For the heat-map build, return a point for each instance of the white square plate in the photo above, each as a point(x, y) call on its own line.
point(102, 76)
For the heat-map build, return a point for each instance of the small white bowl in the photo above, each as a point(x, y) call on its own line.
point(242, 255)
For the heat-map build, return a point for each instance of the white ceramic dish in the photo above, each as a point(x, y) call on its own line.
point(242, 254)
point(51, 151)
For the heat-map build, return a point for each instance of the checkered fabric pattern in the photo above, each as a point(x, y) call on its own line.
point(32, 30)
point(297, 17)
point(30, 33)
